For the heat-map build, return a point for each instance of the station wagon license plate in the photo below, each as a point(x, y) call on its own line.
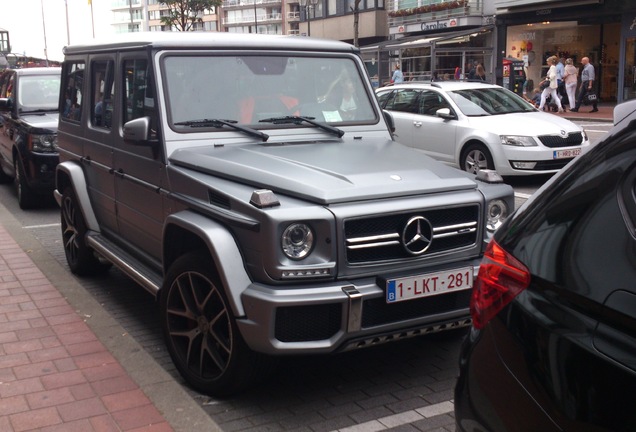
point(409, 288)
point(563, 154)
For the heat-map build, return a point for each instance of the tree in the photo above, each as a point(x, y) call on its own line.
point(184, 14)
point(356, 21)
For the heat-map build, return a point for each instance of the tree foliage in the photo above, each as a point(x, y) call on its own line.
point(184, 14)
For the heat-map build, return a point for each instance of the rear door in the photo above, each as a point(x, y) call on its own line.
point(403, 104)
point(99, 137)
point(432, 134)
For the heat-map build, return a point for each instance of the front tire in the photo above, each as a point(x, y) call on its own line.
point(476, 157)
point(80, 258)
point(26, 195)
point(201, 332)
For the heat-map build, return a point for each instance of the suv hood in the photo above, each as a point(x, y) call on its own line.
point(327, 172)
point(528, 124)
point(47, 120)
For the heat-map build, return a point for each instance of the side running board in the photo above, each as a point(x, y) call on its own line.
point(135, 269)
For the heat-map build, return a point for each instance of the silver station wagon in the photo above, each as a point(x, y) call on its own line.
point(251, 183)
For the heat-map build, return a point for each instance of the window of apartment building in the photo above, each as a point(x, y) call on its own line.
point(348, 5)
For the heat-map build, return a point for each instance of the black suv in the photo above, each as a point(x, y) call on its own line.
point(28, 131)
point(553, 347)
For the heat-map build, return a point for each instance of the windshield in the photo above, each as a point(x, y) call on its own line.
point(39, 92)
point(489, 101)
point(248, 89)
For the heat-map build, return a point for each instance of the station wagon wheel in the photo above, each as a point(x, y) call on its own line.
point(201, 332)
point(80, 258)
point(26, 196)
point(476, 157)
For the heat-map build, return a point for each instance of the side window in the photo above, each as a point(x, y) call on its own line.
point(73, 76)
point(384, 97)
point(138, 97)
point(430, 102)
point(405, 100)
point(102, 93)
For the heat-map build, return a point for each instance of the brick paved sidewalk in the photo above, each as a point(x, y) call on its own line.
point(55, 375)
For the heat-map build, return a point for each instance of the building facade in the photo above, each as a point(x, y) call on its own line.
point(434, 38)
point(602, 30)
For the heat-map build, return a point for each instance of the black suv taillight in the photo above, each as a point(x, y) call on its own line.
point(501, 278)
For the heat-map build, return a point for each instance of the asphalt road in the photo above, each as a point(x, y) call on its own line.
point(405, 386)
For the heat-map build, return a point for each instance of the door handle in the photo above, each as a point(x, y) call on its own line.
point(417, 124)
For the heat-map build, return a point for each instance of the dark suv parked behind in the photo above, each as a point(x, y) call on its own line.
point(553, 347)
point(28, 131)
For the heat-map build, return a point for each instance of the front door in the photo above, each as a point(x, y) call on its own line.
point(139, 167)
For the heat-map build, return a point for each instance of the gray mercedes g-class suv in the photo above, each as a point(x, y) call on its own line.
point(252, 185)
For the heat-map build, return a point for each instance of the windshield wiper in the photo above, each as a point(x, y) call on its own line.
point(301, 119)
point(217, 123)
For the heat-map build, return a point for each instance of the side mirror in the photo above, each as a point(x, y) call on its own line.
point(388, 118)
point(445, 113)
point(6, 104)
point(137, 131)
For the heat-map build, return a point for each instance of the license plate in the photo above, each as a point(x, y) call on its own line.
point(563, 154)
point(409, 288)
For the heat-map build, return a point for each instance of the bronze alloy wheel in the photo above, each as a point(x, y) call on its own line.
point(81, 259)
point(200, 329)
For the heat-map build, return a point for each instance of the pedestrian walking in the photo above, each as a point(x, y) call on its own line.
point(571, 77)
point(551, 88)
point(587, 84)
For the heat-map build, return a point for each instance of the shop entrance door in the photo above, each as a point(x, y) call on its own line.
point(629, 85)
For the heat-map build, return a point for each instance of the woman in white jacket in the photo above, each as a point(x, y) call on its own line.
point(551, 89)
point(570, 76)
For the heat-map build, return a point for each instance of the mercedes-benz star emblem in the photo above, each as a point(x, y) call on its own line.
point(417, 235)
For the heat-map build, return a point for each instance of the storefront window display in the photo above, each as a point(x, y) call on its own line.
point(534, 43)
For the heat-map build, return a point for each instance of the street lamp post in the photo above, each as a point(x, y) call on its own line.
point(308, 4)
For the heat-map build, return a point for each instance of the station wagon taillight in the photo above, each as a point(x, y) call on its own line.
point(501, 278)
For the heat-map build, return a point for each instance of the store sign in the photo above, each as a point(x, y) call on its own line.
point(432, 26)
point(437, 25)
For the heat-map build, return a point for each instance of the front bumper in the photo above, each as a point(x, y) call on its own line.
point(40, 170)
point(345, 315)
point(546, 160)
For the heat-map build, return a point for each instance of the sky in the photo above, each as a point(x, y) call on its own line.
point(23, 20)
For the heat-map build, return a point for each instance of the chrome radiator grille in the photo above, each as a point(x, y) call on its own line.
point(394, 236)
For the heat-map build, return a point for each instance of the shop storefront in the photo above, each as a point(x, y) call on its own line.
point(593, 29)
point(432, 55)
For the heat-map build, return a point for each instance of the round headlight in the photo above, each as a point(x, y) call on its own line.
point(297, 241)
point(497, 213)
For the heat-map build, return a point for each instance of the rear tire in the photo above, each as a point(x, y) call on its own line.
point(80, 258)
point(201, 332)
point(476, 157)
